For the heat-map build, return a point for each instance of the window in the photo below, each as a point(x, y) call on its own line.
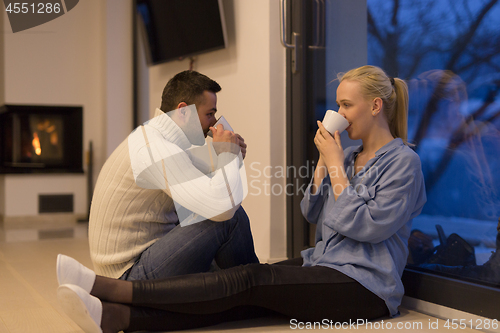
point(448, 51)
point(449, 54)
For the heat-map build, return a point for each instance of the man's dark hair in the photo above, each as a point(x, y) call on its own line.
point(187, 87)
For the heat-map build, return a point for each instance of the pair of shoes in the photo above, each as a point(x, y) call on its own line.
point(70, 271)
point(84, 309)
point(455, 252)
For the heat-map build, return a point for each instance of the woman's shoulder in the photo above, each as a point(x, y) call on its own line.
point(405, 156)
point(408, 153)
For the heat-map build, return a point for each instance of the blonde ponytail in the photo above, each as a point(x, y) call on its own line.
point(399, 123)
point(393, 92)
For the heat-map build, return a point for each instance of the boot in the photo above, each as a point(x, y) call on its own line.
point(456, 252)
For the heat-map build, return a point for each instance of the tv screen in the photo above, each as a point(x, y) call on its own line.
point(175, 29)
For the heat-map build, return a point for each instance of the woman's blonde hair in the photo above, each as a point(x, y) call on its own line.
point(393, 92)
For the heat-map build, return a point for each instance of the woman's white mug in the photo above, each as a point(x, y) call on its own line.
point(333, 121)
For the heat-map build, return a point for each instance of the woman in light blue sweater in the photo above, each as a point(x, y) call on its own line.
point(362, 199)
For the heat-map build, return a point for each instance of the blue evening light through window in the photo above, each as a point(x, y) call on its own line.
point(449, 53)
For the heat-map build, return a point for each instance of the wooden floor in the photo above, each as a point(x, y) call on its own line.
point(28, 301)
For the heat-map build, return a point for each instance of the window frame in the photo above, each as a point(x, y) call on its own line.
point(461, 295)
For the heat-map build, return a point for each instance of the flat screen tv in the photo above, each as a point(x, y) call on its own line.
point(176, 29)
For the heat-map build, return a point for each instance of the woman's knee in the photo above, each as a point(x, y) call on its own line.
point(250, 275)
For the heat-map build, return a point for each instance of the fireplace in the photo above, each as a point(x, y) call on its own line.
point(40, 139)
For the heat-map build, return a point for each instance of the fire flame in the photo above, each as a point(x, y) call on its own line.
point(36, 144)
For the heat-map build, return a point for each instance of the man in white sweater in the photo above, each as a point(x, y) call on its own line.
point(167, 203)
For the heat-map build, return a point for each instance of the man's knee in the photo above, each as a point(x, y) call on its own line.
point(240, 216)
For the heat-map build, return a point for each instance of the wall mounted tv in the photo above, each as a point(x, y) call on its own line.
point(176, 29)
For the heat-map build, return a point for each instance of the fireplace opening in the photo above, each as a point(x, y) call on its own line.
point(41, 139)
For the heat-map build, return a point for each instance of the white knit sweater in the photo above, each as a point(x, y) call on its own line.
point(126, 219)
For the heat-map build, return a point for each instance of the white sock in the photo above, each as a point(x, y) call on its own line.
point(84, 309)
point(70, 271)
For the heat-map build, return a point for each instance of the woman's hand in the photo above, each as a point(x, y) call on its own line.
point(329, 147)
point(332, 156)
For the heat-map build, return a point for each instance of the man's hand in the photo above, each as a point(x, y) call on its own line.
point(225, 141)
point(243, 145)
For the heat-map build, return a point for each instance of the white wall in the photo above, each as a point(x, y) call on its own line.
point(251, 72)
point(58, 63)
point(2, 101)
point(61, 62)
point(118, 73)
point(84, 58)
point(59, 184)
point(2, 73)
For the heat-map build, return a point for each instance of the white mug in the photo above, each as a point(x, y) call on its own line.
point(224, 123)
point(333, 121)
